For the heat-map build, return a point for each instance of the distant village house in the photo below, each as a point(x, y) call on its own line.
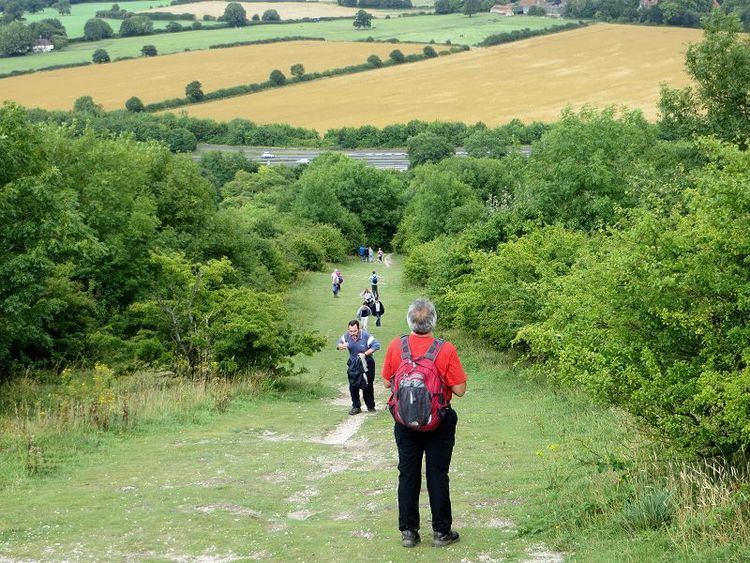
point(42, 46)
point(552, 8)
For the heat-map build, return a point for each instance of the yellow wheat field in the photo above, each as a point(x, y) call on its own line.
point(286, 10)
point(531, 80)
point(153, 79)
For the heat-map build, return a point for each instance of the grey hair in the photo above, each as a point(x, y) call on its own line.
point(421, 316)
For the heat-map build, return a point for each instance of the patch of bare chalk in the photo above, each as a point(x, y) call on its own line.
point(228, 507)
point(344, 431)
point(540, 553)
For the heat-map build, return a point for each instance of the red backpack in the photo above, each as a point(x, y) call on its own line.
point(418, 399)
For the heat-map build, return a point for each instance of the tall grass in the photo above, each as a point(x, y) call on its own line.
point(45, 425)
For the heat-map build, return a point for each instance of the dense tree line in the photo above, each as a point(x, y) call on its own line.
point(615, 256)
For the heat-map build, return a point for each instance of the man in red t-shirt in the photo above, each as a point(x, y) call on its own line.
point(437, 444)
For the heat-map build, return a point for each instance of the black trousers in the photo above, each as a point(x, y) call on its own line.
point(437, 447)
point(368, 391)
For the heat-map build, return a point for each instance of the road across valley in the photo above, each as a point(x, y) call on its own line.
point(384, 159)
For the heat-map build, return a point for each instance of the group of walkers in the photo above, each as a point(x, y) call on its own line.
point(423, 373)
point(366, 254)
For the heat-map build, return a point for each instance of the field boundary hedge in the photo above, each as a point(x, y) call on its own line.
point(526, 33)
point(254, 87)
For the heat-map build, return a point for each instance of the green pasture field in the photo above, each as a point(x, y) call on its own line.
point(81, 13)
point(268, 479)
point(456, 28)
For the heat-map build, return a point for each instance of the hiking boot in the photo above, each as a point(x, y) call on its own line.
point(370, 409)
point(355, 410)
point(410, 538)
point(440, 540)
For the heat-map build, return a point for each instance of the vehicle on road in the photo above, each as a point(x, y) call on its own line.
point(267, 155)
point(303, 161)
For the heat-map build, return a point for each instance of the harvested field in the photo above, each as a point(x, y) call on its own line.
point(286, 10)
point(158, 78)
point(531, 80)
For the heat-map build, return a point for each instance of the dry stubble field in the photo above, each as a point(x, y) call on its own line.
point(286, 10)
point(531, 80)
point(158, 78)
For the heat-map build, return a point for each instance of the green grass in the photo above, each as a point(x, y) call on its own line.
point(534, 469)
point(81, 13)
point(456, 28)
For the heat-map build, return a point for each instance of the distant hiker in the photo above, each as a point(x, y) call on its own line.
point(367, 296)
point(378, 309)
point(362, 251)
point(380, 255)
point(360, 368)
point(374, 279)
point(363, 314)
point(336, 280)
point(370, 254)
point(423, 372)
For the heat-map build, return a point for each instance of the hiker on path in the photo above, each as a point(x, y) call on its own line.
point(374, 279)
point(367, 295)
point(336, 280)
point(378, 309)
point(363, 314)
point(436, 361)
point(360, 368)
point(361, 251)
point(370, 254)
point(380, 255)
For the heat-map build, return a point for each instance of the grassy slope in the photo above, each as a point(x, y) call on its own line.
point(253, 483)
point(454, 27)
point(81, 13)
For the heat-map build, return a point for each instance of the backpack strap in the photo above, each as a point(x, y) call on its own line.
point(405, 351)
point(434, 349)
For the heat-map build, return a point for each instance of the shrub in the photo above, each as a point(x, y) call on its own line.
point(277, 78)
point(134, 104)
point(136, 25)
point(194, 91)
point(96, 29)
point(100, 56)
point(173, 26)
point(374, 61)
point(429, 52)
point(397, 56)
point(270, 16)
point(148, 51)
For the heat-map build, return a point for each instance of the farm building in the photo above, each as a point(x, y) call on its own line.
point(503, 10)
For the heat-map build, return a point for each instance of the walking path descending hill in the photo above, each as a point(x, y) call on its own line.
point(296, 479)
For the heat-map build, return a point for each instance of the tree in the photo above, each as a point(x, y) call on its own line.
point(444, 7)
point(472, 7)
point(181, 140)
point(173, 26)
point(234, 14)
point(47, 28)
point(720, 67)
point(15, 39)
point(96, 29)
point(136, 25)
point(148, 51)
point(362, 20)
point(12, 11)
point(134, 104)
point(62, 7)
point(298, 71)
point(86, 104)
point(397, 56)
point(429, 52)
point(277, 78)
point(194, 92)
point(270, 16)
point(428, 147)
point(100, 56)
point(375, 61)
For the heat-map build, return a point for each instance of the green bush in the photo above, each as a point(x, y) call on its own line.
point(100, 56)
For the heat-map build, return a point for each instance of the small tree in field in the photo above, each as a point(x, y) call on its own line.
point(270, 16)
point(375, 61)
point(194, 92)
point(472, 7)
point(277, 78)
point(397, 56)
point(429, 52)
point(148, 51)
point(100, 56)
point(298, 71)
point(362, 20)
point(234, 14)
point(134, 104)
